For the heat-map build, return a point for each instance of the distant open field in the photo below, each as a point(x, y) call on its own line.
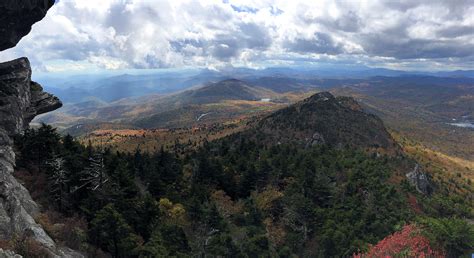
point(151, 140)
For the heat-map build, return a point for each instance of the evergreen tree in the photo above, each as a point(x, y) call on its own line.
point(38, 145)
point(155, 247)
point(110, 231)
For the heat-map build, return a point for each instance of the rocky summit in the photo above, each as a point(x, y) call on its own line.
point(335, 121)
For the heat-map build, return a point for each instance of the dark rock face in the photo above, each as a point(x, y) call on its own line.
point(325, 119)
point(17, 17)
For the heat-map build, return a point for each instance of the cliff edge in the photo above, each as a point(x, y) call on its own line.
point(20, 101)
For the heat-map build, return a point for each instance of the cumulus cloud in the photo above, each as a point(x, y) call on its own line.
point(320, 43)
point(117, 34)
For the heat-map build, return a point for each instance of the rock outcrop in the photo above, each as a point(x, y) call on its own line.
point(8, 254)
point(20, 98)
point(20, 101)
point(420, 180)
point(17, 17)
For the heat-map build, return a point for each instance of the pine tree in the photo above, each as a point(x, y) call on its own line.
point(155, 247)
point(110, 231)
point(38, 145)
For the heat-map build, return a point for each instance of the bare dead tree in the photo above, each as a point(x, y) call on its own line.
point(94, 176)
point(58, 180)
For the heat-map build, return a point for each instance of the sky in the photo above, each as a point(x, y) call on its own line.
point(114, 35)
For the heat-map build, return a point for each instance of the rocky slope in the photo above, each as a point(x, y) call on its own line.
point(20, 101)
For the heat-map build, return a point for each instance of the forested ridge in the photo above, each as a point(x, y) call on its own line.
point(232, 197)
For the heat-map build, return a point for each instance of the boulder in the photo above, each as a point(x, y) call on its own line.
point(8, 254)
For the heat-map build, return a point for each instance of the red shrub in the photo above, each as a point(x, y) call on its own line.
point(405, 243)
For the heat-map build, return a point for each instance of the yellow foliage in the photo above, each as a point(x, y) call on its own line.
point(225, 205)
point(165, 204)
point(265, 199)
point(175, 213)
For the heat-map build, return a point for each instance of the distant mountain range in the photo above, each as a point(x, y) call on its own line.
point(114, 88)
point(79, 88)
point(156, 110)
